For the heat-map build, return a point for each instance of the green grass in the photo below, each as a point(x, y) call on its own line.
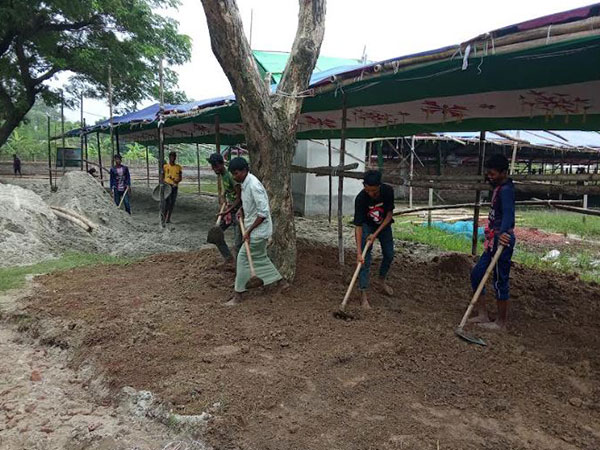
point(560, 222)
point(14, 277)
point(580, 261)
point(193, 189)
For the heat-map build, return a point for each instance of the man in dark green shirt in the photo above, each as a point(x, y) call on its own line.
point(233, 199)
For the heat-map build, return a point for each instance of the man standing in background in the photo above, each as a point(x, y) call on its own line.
point(17, 165)
point(173, 174)
point(120, 183)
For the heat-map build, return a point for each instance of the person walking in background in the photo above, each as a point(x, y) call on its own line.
point(17, 165)
point(173, 173)
point(233, 199)
point(120, 183)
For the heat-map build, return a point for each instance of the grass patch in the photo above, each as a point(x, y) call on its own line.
point(14, 277)
point(560, 222)
point(193, 189)
point(584, 263)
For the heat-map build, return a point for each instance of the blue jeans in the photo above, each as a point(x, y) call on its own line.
point(119, 196)
point(501, 271)
point(386, 239)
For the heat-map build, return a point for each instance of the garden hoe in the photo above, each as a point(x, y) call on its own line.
point(341, 313)
point(215, 234)
point(254, 282)
point(459, 331)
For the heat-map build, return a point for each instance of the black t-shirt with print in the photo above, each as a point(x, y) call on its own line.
point(372, 211)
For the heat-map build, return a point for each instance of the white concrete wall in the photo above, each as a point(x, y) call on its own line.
point(311, 193)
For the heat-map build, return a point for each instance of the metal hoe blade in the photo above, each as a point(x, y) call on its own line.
point(467, 337)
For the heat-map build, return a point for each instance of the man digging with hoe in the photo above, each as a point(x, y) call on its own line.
point(257, 227)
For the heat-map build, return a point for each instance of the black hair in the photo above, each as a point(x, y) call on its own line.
point(216, 158)
point(118, 155)
point(172, 154)
point(498, 162)
point(372, 178)
point(238, 163)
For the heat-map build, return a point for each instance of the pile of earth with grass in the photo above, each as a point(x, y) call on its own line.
point(280, 372)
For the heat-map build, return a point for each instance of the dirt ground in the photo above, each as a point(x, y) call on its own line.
point(280, 372)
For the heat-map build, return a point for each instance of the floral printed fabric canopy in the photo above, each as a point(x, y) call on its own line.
point(541, 74)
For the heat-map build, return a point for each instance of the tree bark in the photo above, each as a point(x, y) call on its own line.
point(270, 121)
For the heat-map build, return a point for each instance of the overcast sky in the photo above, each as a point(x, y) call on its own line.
point(388, 28)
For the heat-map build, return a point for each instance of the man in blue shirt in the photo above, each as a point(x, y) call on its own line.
point(120, 182)
point(499, 230)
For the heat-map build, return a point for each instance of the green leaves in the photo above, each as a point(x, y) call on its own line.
point(42, 38)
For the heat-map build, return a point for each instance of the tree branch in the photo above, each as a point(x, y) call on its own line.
point(303, 57)
point(46, 76)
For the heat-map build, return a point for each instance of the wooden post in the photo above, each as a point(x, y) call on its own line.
point(49, 155)
point(218, 148)
point(513, 160)
point(412, 165)
point(478, 194)
point(117, 142)
point(585, 204)
point(99, 158)
point(110, 120)
point(380, 156)
point(430, 205)
point(330, 178)
point(161, 149)
point(341, 183)
point(81, 126)
point(198, 166)
point(62, 126)
point(439, 158)
point(85, 144)
point(147, 168)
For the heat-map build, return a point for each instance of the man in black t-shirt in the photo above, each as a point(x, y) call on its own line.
point(373, 209)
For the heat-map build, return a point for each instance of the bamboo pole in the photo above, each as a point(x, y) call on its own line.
point(587, 211)
point(514, 158)
point(478, 194)
point(110, 112)
point(330, 178)
point(62, 126)
point(340, 208)
point(472, 205)
point(161, 149)
point(198, 166)
point(49, 155)
point(82, 126)
point(147, 168)
point(412, 167)
point(72, 219)
point(85, 143)
point(99, 157)
point(430, 205)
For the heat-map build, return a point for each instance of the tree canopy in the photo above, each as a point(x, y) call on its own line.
point(40, 39)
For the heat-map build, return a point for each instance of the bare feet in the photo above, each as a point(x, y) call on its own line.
point(386, 288)
point(480, 318)
point(494, 326)
point(364, 300)
point(235, 299)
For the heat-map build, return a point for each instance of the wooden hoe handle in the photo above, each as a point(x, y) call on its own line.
point(354, 277)
point(243, 228)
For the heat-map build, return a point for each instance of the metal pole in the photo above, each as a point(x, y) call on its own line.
point(49, 156)
point(147, 168)
point(198, 166)
point(478, 194)
point(341, 183)
point(330, 178)
point(100, 158)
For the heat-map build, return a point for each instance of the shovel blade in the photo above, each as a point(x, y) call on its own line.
point(254, 282)
point(215, 236)
point(467, 337)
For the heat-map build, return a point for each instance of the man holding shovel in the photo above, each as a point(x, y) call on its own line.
point(373, 212)
point(256, 218)
point(233, 200)
point(120, 183)
point(499, 231)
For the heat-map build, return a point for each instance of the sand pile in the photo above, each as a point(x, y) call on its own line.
point(455, 264)
point(29, 230)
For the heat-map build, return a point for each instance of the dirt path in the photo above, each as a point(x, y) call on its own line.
point(279, 372)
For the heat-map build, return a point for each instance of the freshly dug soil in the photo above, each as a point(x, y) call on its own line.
point(280, 372)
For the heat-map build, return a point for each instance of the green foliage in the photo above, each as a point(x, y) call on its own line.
point(14, 277)
point(41, 38)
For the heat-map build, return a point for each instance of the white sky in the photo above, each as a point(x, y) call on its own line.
point(388, 28)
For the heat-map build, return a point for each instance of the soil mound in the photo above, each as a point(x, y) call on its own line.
point(455, 264)
point(28, 227)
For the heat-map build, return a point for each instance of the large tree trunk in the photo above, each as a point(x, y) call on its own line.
point(270, 121)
